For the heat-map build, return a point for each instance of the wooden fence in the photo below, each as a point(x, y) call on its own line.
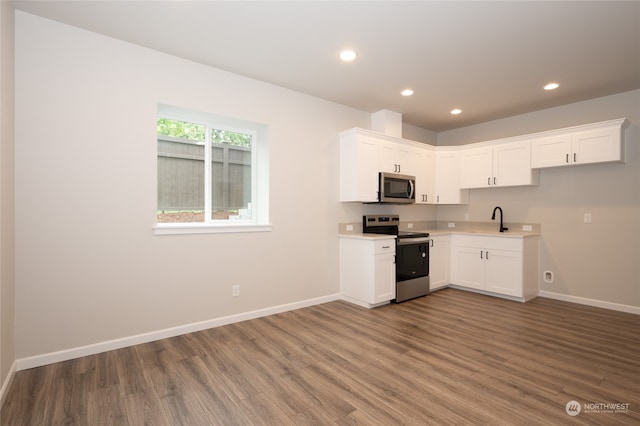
point(181, 175)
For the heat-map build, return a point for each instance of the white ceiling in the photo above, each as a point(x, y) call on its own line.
point(490, 59)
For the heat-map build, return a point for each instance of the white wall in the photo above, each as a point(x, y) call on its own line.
point(597, 261)
point(88, 267)
point(7, 240)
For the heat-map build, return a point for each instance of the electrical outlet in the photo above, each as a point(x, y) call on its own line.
point(527, 228)
point(410, 225)
point(235, 290)
point(587, 218)
point(349, 227)
point(451, 224)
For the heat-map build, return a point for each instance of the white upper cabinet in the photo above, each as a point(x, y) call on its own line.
point(363, 154)
point(424, 171)
point(501, 164)
point(444, 175)
point(447, 180)
point(476, 167)
point(396, 158)
point(358, 167)
point(551, 151)
point(593, 143)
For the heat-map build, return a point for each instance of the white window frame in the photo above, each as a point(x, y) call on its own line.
point(259, 221)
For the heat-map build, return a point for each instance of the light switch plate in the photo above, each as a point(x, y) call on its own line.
point(587, 218)
point(451, 224)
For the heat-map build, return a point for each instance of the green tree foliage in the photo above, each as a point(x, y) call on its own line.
point(196, 132)
point(233, 138)
point(181, 129)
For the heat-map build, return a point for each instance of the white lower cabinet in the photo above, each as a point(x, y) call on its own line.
point(439, 262)
point(498, 265)
point(367, 270)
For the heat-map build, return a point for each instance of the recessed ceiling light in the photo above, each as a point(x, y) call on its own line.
point(407, 92)
point(456, 111)
point(551, 86)
point(348, 55)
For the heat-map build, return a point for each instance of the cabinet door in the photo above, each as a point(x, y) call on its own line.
point(368, 170)
point(476, 165)
point(395, 158)
point(503, 272)
point(512, 164)
point(358, 169)
point(387, 158)
point(439, 262)
point(405, 159)
point(447, 181)
point(424, 162)
point(385, 278)
point(468, 267)
point(597, 146)
point(551, 151)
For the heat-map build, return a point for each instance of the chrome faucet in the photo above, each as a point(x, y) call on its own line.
point(493, 217)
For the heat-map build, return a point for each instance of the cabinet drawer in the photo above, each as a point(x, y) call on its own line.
point(385, 246)
point(485, 243)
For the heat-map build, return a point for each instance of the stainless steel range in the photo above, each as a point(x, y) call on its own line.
point(412, 255)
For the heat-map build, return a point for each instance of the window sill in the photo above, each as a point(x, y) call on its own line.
point(206, 228)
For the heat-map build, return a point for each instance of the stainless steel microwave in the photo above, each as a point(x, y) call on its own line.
point(396, 189)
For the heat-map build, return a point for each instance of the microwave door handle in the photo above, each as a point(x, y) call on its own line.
point(410, 188)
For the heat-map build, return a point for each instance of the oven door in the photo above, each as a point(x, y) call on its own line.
point(412, 258)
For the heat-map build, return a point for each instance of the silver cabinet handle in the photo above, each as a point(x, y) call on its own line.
point(481, 255)
point(486, 256)
point(574, 157)
point(494, 180)
point(489, 181)
point(567, 158)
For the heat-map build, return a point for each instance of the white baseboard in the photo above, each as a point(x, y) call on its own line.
point(361, 303)
point(67, 354)
point(7, 382)
point(591, 302)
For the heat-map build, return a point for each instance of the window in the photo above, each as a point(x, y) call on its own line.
point(212, 173)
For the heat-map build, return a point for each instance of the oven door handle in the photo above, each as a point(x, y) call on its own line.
point(407, 241)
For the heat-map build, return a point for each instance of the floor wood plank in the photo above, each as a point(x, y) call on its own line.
point(452, 357)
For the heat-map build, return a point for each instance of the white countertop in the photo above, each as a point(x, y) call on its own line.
point(356, 235)
point(484, 233)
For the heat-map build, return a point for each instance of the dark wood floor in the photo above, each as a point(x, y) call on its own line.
point(450, 358)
